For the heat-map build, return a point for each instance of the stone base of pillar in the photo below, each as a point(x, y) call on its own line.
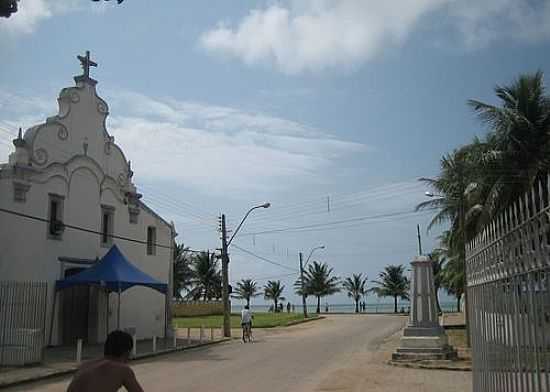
point(424, 344)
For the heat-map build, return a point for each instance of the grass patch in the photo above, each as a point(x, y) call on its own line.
point(261, 320)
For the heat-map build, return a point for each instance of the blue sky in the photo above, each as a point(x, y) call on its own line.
point(223, 105)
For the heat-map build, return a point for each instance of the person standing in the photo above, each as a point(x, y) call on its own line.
point(288, 307)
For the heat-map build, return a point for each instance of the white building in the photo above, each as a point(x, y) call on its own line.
point(70, 173)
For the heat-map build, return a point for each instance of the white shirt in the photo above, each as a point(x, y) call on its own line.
point(246, 316)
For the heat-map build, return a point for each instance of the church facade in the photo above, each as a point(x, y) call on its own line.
point(67, 196)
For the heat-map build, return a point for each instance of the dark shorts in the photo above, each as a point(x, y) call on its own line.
point(245, 324)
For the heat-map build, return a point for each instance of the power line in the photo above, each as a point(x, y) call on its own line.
point(359, 219)
point(263, 258)
point(87, 230)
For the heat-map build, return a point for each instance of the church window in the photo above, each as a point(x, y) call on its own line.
point(151, 240)
point(55, 217)
point(107, 225)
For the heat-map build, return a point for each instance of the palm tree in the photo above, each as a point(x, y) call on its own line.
point(206, 281)
point(273, 290)
point(438, 257)
point(519, 129)
point(246, 289)
point(319, 282)
point(356, 287)
point(182, 269)
point(392, 283)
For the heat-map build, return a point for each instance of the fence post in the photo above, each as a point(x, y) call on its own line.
point(134, 349)
point(201, 334)
point(79, 350)
point(175, 337)
point(154, 344)
point(211, 333)
point(188, 335)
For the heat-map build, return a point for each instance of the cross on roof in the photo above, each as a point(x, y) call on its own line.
point(86, 63)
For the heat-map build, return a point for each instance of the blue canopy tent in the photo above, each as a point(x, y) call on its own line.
point(115, 274)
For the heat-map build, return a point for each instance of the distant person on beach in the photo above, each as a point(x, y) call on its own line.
point(111, 372)
point(326, 307)
point(293, 308)
point(288, 307)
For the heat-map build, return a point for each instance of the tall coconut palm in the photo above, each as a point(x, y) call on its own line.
point(356, 286)
point(319, 282)
point(182, 269)
point(206, 281)
point(273, 290)
point(392, 282)
point(246, 289)
point(438, 257)
point(519, 129)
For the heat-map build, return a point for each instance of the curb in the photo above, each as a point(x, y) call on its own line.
point(430, 366)
point(74, 368)
point(309, 319)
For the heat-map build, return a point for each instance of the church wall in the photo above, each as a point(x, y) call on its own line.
point(72, 157)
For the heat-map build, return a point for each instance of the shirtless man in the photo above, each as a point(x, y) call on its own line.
point(111, 372)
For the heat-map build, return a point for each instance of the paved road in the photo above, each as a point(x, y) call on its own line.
point(330, 354)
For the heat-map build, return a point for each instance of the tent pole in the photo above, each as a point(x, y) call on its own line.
point(53, 315)
point(107, 314)
point(118, 311)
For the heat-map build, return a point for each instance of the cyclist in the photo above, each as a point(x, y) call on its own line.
point(246, 323)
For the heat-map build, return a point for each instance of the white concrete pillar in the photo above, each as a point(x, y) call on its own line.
point(134, 349)
point(79, 351)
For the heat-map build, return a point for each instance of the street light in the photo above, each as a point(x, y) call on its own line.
point(265, 205)
point(225, 269)
point(304, 305)
point(461, 226)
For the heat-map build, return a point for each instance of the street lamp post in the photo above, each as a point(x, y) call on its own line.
point(225, 268)
point(462, 228)
point(304, 304)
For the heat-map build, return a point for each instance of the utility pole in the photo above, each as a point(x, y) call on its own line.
point(419, 240)
point(304, 304)
point(225, 282)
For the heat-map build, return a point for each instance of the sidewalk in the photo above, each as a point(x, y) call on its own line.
point(370, 371)
point(62, 360)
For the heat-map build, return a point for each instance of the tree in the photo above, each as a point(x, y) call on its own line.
point(273, 290)
point(438, 257)
point(392, 283)
point(519, 130)
point(319, 282)
point(246, 289)
point(182, 269)
point(207, 280)
point(356, 286)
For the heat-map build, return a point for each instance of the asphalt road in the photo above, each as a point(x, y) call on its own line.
point(330, 354)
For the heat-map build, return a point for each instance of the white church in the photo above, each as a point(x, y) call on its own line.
point(66, 197)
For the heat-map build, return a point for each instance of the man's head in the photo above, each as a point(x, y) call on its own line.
point(247, 307)
point(118, 345)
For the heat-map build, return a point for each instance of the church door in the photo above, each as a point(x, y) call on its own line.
point(76, 304)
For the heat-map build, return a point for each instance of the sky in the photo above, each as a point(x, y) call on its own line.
point(328, 109)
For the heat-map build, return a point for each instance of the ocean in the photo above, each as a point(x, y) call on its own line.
point(344, 308)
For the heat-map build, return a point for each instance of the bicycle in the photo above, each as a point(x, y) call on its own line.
point(247, 332)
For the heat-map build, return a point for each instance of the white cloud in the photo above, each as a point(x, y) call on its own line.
point(213, 149)
point(483, 22)
point(31, 13)
point(221, 149)
point(315, 35)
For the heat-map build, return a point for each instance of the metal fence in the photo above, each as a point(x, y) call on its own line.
point(508, 273)
point(22, 322)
